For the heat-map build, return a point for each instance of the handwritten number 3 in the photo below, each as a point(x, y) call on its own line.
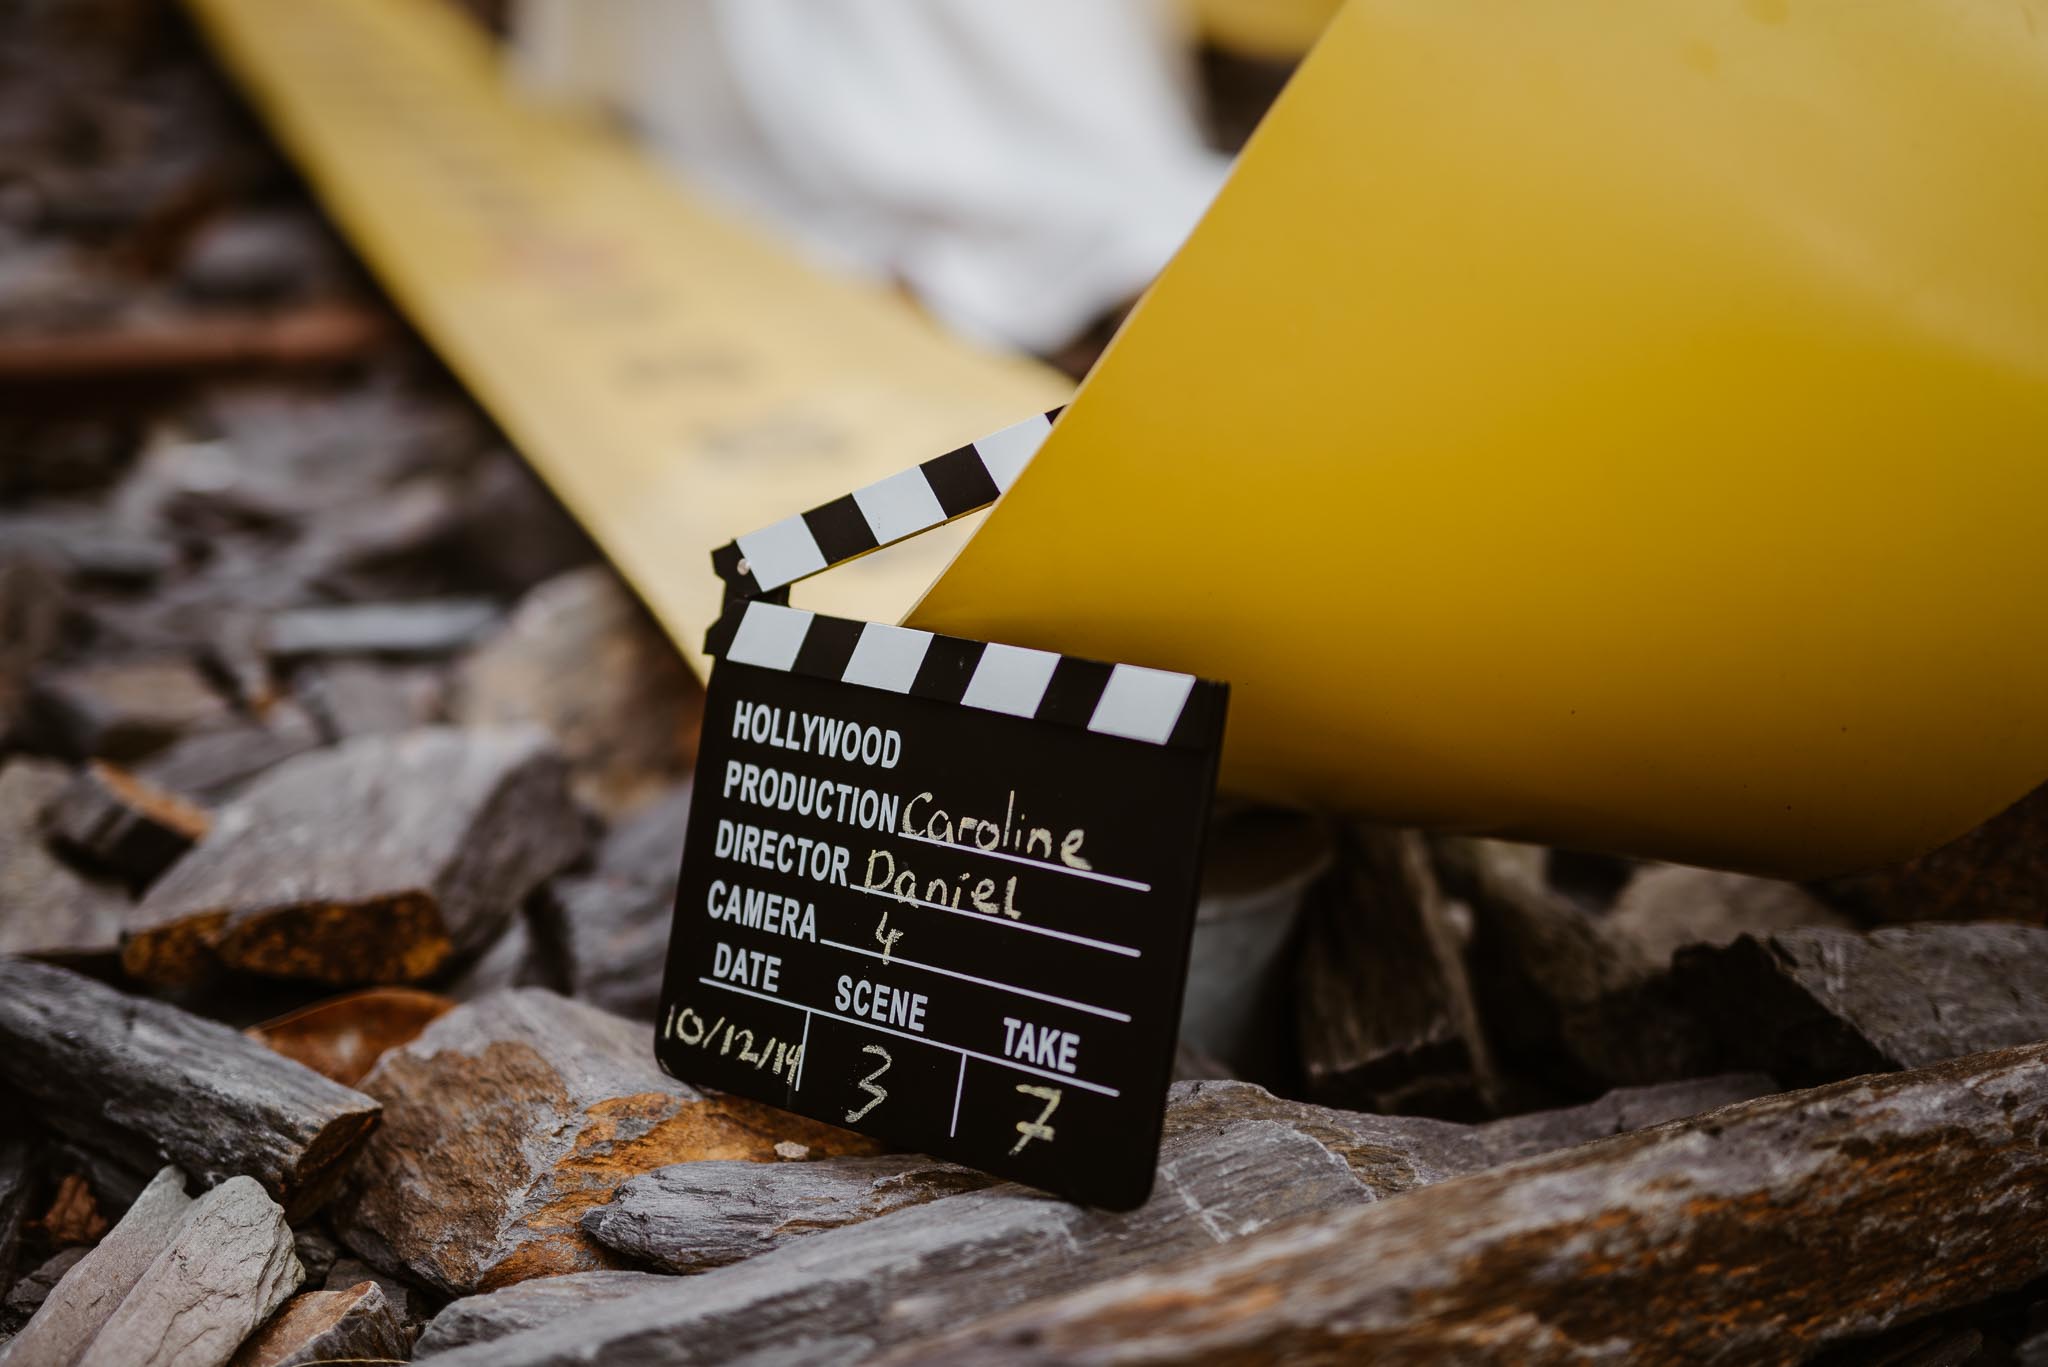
point(868, 1084)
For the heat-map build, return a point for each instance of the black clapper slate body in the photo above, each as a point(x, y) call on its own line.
point(1032, 1035)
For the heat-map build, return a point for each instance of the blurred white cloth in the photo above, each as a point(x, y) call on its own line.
point(1023, 168)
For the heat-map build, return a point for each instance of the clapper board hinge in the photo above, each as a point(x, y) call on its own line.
point(1157, 706)
point(763, 564)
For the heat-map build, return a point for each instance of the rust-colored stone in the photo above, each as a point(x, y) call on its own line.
point(343, 1037)
point(511, 1117)
point(382, 860)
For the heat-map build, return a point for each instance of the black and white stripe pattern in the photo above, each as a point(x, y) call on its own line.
point(1152, 705)
point(904, 504)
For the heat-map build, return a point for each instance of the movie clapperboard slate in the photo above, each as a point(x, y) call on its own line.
point(935, 890)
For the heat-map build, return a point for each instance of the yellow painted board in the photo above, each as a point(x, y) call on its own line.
point(1613, 423)
point(673, 375)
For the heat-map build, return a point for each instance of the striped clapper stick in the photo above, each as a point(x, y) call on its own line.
point(936, 890)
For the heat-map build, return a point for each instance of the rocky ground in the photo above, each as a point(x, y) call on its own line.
point(341, 797)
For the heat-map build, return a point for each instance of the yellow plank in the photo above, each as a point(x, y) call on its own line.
point(674, 377)
point(1622, 424)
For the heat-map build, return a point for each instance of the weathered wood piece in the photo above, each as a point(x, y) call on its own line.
point(74, 1312)
point(46, 906)
point(168, 1085)
point(227, 1268)
point(343, 1037)
point(123, 710)
point(381, 860)
point(529, 1305)
point(112, 819)
point(355, 1325)
point(1386, 1018)
point(1666, 907)
point(582, 658)
point(1997, 872)
point(1815, 1005)
point(694, 1216)
point(510, 1117)
point(419, 630)
point(1235, 1159)
point(214, 766)
point(1760, 1233)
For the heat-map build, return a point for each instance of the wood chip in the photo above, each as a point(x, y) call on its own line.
point(343, 1037)
point(382, 860)
point(1759, 1233)
point(47, 907)
point(1235, 1160)
point(116, 821)
point(583, 659)
point(1814, 1005)
point(355, 1325)
point(94, 1288)
point(229, 1266)
point(121, 711)
point(166, 1084)
point(510, 1117)
point(358, 698)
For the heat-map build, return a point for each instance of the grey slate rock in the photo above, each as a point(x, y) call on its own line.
point(689, 1217)
point(382, 860)
point(165, 1084)
point(1235, 1160)
point(226, 1269)
point(354, 1325)
point(606, 932)
point(1815, 1004)
point(32, 1289)
point(82, 1302)
point(1763, 1232)
point(18, 1174)
point(46, 906)
point(416, 630)
point(528, 1305)
point(1387, 1021)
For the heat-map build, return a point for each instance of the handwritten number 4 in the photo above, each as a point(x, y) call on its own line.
point(886, 936)
point(1028, 1130)
point(876, 1094)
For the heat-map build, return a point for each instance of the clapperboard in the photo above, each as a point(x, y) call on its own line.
point(939, 891)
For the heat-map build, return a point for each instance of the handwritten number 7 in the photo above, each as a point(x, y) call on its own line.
point(1028, 1130)
point(878, 1095)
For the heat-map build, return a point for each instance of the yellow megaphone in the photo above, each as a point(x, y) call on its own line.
point(1622, 425)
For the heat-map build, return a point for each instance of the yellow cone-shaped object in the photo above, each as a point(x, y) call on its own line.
point(1612, 422)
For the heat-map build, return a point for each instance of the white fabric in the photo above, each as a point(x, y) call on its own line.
point(1024, 167)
